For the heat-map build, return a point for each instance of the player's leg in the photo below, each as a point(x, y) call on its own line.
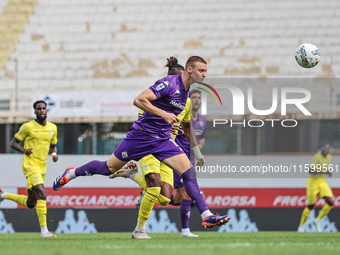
point(149, 164)
point(181, 164)
point(36, 190)
point(19, 199)
point(129, 149)
point(93, 167)
point(152, 192)
point(182, 198)
point(327, 194)
point(312, 193)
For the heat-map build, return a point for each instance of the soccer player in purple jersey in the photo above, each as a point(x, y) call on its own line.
point(198, 122)
point(169, 178)
point(150, 134)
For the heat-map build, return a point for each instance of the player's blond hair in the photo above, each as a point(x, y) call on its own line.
point(193, 59)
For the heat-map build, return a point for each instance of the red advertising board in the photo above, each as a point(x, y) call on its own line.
point(215, 197)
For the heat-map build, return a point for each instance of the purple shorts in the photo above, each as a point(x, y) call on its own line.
point(139, 144)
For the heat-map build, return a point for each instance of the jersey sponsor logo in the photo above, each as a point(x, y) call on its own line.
point(70, 225)
point(124, 154)
point(160, 87)
point(176, 104)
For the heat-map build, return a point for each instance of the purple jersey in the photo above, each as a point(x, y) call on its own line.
point(171, 97)
point(200, 126)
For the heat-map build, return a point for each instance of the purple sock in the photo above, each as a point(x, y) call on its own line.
point(93, 167)
point(194, 192)
point(185, 212)
point(172, 200)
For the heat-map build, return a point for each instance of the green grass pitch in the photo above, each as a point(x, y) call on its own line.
point(172, 243)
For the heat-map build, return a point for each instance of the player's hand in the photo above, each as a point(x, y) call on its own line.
point(28, 152)
point(200, 163)
point(198, 155)
point(55, 158)
point(175, 129)
point(170, 118)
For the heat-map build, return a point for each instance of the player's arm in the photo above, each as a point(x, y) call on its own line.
point(190, 135)
point(201, 143)
point(53, 152)
point(143, 102)
point(16, 146)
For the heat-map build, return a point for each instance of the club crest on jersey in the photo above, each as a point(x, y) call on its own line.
point(201, 123)
point(124, 154)
point(160, 87)
point(51, 132)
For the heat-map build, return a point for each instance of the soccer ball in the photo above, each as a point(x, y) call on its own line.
point(307, 55)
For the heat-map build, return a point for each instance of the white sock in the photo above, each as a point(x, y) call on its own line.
point(44, 230)
point(71, 174)
point(185, 230)
point(139, 229)
point(3, 195)
point(132, 176)
point(205, 214)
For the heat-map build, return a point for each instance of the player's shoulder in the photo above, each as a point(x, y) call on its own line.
point(29, 124)
point(317, 155)
point(51, 125)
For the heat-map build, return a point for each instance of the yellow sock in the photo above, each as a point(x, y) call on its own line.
point(146, 205)
point(304, 216)
point(140, 180)
point(41, 212)
point(162, 200)
point(19, 199)
point(324, 211)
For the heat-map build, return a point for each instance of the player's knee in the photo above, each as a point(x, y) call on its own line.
point(153, 180)
point(310, 206)
point(31, 204)
point(41, 195)
point(330, 203)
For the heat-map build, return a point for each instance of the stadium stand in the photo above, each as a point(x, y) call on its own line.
point(84, 45)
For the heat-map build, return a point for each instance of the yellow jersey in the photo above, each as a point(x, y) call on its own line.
point(184, 116)
point(39, 138)
point(320, 163)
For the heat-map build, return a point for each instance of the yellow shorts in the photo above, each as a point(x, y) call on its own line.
point(35, 179)
point(150, 164)
point(317, 186)
point(31, 165)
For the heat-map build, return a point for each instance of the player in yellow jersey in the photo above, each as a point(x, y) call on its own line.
point(317, 185)
point(40, 139)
